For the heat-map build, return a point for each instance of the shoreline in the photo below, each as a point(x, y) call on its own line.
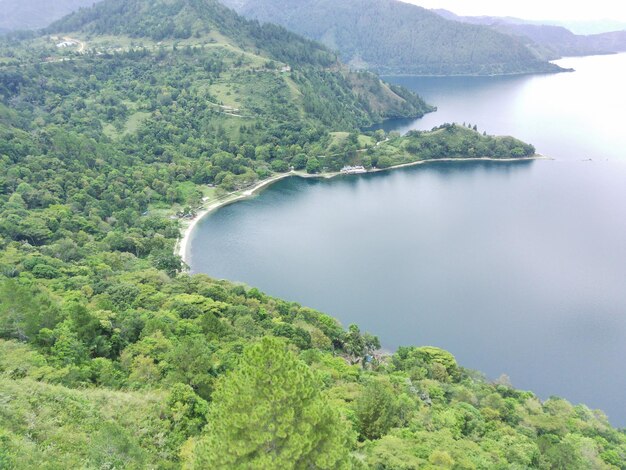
point(491, 75)
point(183, 243)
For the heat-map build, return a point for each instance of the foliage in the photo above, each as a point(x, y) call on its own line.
point(186, 413)
point(269, 413)
point(448, 141)
point(376, 410)
point(393, 37)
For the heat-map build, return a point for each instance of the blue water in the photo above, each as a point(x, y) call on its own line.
point(516, 268)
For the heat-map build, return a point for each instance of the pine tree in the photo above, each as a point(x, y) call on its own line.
point(269, 414)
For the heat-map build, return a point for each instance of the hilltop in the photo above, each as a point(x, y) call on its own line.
point(300, 66)
point(392, 37)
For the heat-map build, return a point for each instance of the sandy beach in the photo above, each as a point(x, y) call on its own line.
point(182, 246)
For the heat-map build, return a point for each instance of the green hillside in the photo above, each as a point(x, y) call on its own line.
point(112, 356)
point(392, 37)
point(259, 54)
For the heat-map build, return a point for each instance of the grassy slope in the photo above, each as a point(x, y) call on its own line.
point(51, 426)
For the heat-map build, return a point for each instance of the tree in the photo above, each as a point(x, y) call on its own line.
point(384, 162)
point(280, 166)
point(68, 349)
point(25, 310)
point(269, 413)
point(435, 362)
point(313, 165)
point(299, 161)
point(192, 364)
point(185, 413)
point(359, 345)
point(376, 410)
point(167, 261)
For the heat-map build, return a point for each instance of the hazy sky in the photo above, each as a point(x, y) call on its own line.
point(564, 10)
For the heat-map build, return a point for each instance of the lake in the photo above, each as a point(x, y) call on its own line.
point(516, 268)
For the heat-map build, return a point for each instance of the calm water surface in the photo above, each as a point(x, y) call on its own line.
point(515, 268)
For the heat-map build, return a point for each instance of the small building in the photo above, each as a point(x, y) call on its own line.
point(352, 170)
point(64, 44)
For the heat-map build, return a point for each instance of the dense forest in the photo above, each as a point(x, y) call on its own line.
point(112, 356)
point(393, 37)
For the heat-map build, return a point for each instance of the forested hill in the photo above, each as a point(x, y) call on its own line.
point(315, 84)
point(188, 20)
point(393, 37)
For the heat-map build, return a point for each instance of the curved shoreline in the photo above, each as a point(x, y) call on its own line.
point(182, 245)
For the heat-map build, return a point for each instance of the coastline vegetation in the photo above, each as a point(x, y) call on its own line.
point(447, 141)
point(111, 356)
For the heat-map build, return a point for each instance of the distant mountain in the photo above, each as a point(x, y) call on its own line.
point(393, 37)
point(481, 19)
point(548, 40)
point(35, 14)
point(614, 41)
point(581, 27)
point(590, 26)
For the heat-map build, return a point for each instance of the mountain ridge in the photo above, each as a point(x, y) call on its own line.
point(392, 37)
point(552, 41)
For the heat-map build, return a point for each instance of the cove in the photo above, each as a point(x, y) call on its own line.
point(516, 268)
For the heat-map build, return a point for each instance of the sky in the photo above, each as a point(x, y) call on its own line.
point(561, 10)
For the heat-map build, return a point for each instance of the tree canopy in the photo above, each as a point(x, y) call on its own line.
point(269, 413)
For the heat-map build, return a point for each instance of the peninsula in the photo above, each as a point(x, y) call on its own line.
point(448, 143)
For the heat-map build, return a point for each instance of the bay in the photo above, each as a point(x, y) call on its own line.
point(516, 268)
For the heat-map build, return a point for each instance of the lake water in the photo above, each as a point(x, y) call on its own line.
point(515, 268)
